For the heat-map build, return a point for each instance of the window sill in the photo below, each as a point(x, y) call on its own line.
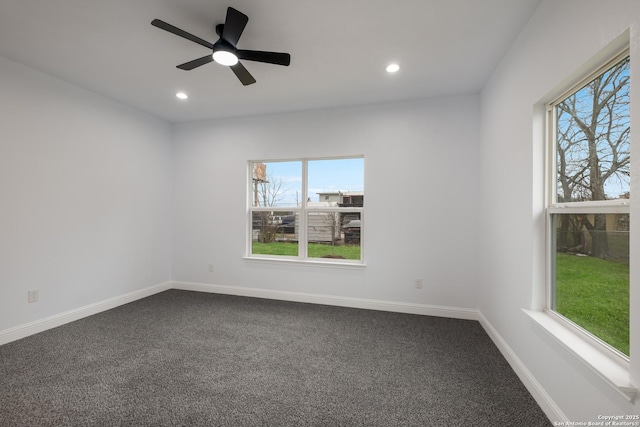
point(351, 265)
point(615, 373)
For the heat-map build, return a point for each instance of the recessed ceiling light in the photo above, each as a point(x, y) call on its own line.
point(392, 68)
point(182, 95)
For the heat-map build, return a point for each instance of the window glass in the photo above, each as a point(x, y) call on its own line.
point(307, 209)
point(589, 215)
point(589, 290)
point(274, 233)
point(334, 235)
point(276, 184)
point(593, 139)
point(339, 181)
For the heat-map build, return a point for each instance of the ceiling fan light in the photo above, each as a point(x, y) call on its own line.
point(224, 57)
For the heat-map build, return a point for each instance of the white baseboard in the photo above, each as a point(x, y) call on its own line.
point(370, 304)
point(547, 404)
point(41, 325)
point(539, 394)
point(553, 412)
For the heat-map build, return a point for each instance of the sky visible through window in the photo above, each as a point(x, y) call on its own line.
point(324, 176)
point(602, 108)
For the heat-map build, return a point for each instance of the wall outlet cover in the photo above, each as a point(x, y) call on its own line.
point(33, 295)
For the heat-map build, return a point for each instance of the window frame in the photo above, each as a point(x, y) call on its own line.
point(301, 211)
point(553, 207)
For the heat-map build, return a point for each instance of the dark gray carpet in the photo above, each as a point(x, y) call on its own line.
point(185, 358)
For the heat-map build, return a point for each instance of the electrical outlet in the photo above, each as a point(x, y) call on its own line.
point(211, 268)
point(418, 283)
point(33, 295)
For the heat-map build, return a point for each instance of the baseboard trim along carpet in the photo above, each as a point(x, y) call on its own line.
point(369, 304)
point(546, 403)
point(539, 394)
point(194, 358)
point(41, 325)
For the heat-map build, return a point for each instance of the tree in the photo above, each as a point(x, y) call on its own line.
point(332, 223)
point(593, 129)
point(268, 192)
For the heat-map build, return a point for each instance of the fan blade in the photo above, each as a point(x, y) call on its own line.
point(234, 26)
point(196, 63)
point(178, 32)
point(269, 57)
point(242, 74)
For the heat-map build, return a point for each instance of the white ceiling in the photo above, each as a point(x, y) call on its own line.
point(339, 50)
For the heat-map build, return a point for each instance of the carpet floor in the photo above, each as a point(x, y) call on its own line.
point(183, 358)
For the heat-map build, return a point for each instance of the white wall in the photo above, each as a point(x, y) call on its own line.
point(85, 197)
point(559, 39)
point(421, 169)
point(453, 195)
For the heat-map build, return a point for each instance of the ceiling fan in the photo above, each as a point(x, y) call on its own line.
point(224, 50)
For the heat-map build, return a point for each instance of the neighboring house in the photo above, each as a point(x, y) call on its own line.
point(328, 226)
point(343, 198)
point(322, 226)
point(330, 197)
point(353, 199)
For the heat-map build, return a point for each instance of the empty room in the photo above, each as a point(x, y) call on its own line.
point(326, 213)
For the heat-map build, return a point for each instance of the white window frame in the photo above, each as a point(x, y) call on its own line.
point(302, 212)
point(604, 360)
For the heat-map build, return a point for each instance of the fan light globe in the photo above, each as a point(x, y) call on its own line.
point(224, 57)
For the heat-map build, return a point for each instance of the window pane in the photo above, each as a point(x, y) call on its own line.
point(592, 274)
point(276, 184)
point(592, 139)
point(273, 233)
point(329, 202)
point(333, 235)
point(336, 182)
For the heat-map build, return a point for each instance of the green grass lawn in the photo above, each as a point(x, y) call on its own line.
point(594, 293)
point(315, 250)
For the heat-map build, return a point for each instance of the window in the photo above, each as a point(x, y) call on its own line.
point(302, 210)
point(588, 206)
